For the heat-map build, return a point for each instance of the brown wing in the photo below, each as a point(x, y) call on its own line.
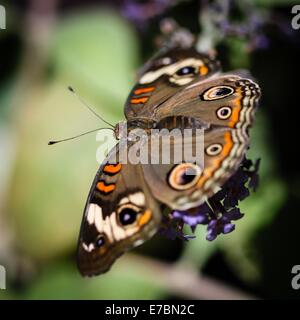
point(224, 107)
point(120, 213)
point(189, 183)
point(227, 100)
point(163, 76)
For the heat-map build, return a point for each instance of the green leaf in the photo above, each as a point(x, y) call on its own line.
point(198, 250)
point(62, 281)
point(95, 51)
point(260, 208)
point(239, 58)
point(275, 3)
point(51, 183)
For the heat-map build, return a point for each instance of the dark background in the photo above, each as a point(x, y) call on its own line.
point(43, 192)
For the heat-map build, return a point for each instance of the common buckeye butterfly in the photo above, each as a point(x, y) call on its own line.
point(178, 88)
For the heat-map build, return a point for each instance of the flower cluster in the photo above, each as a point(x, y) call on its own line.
point(229, 18)
point(140, 13)
point(250, 25)
point(220, 210)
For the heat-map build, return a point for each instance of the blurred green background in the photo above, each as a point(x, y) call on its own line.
point(97, 47)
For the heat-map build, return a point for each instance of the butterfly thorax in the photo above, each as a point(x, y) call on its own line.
point(123, 128)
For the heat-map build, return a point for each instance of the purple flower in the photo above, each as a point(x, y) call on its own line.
point(223, 224)
point(236, 188)
point(220, 210)
point(233, 214)
point(250, 26)
point(140, 13)
point(170, 232)
point(172, 229)
point(194, 216)
point(216, 227)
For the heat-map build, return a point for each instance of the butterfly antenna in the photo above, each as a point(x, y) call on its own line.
point(71, 89)
point(77, 136)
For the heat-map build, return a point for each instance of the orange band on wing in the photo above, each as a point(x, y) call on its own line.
point(145, 218)
point(102, 187)
point(139, 100)
point(236, 112)
point(112, 168)
point(143, 90)
point(208, 172)
point(203, 70)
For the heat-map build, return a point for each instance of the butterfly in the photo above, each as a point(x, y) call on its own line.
point(178, 88)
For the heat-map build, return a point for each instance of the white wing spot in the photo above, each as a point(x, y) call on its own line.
point(95, 216)
point(137, 198)
point(89, 247)
point(169, 70)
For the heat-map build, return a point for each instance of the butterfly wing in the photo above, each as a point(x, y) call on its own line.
point(227, 101)
point(120, 213)
point(122, 209)
point(163, 76)
point(224, 107)
point(223, 151)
